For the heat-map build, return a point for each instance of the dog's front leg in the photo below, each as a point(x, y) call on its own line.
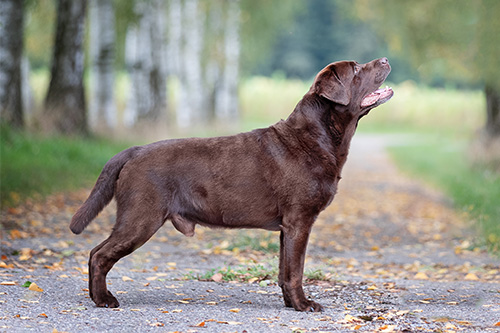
point(293, 244)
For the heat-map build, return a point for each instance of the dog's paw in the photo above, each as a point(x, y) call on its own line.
point(106, 301)
point(308, 306)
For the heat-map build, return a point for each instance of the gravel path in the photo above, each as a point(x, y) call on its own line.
point(388, 255)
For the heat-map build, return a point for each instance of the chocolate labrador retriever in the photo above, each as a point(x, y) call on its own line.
point(277, 178)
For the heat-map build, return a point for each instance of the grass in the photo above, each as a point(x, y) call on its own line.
point(255, 273)
point(37, 165)
point(474, 189)
point(251, 273)
point(266, 242)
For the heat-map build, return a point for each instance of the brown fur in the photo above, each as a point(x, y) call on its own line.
point(277, 178)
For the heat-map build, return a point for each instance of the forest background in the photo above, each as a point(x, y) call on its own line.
point(75, 72)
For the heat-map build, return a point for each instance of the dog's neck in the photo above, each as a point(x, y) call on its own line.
point(331, 127)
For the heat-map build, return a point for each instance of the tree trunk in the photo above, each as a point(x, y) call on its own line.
point(227, 100)
point(11, 49)
point(102, 111)
point(214, 36)
point(174, 37)
point(492, 111)
point(65, 101)
point(146, 62)
point(189, 108)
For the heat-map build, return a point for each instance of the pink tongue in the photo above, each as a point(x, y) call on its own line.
point(373, 98)
point(370, 99)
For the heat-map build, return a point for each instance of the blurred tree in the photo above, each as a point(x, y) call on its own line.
point(145, 58)
point(11, 50)
point(65, 102)
point(262, 22)
point(322, 31)
point(102, 108)
point(190, 102)
point(457, 39)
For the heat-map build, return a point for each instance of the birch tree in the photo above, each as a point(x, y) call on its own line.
point(226, 106)
point(65, 102)
point(102, 108)
point(11, 49)
point(189, 108)
point(145, 58)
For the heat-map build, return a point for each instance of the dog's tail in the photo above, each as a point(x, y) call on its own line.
point(103, 191)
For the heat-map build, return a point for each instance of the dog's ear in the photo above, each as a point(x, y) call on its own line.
point(329, 85)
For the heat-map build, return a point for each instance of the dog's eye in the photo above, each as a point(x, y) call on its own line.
point(356, 69)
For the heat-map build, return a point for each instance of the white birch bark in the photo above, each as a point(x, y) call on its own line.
point(102, 108)
point(145, 57)
point(215, 54)
point(226, 106)
point(174, 37)
point(189, 109)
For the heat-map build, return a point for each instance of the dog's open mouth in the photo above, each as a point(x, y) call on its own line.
point(377, 97)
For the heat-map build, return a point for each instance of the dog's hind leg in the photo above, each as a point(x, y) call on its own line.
point(135, 225)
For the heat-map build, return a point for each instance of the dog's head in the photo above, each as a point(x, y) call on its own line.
point(353, 85)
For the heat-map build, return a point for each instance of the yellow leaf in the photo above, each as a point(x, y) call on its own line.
point(202, 324)
point(471, 277)
point(371, 288)
point(8, 283)
point(4, 265)
point(235, 310)
point(126, 279)
point(211, 303)
point(34, 287)
point(421, 276)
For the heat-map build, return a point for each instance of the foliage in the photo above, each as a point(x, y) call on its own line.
point(33, 164)
point(323, 31)
point(473, 188)
point(459, 40)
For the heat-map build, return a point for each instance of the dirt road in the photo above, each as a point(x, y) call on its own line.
point(388, 255)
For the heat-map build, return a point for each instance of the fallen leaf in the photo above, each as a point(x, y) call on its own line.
point(217, 277)
point(471, 277)
point(421, 276)
point(126, 279)
point(158, 324)
point(235, 310)
point(4, 265)
point(202, 324)
point(8, 283)
point(211, 303)
point(34, 287)
point(230, 322)
point(497, 324)
point(43, 315)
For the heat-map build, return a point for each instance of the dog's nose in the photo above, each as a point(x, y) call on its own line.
point(384, 61)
